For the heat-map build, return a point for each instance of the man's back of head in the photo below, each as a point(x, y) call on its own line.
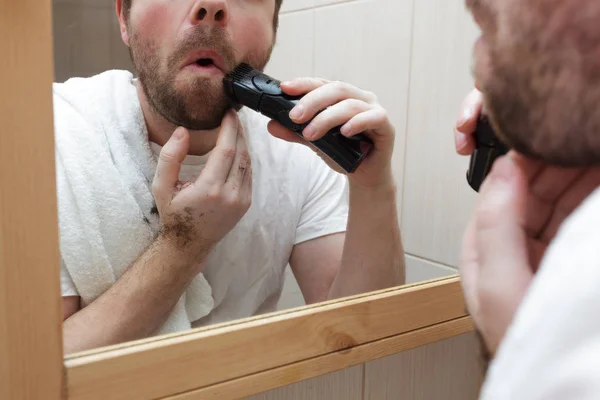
point(538, 65)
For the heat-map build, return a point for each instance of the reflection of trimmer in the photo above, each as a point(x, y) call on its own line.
point(253, 89)
point(487, 149)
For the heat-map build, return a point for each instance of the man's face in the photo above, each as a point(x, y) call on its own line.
point(538, 66)
point(182, 48)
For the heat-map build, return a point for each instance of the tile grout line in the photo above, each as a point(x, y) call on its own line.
point(430, 261)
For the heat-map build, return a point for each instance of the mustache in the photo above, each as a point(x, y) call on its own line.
point(202, 37)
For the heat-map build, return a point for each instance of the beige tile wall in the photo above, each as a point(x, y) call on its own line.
point(446, 370)
point(437, 201)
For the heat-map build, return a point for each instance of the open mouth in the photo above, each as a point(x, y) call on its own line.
point(205, 62)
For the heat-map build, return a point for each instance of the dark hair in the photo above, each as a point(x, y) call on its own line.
point(127, 7)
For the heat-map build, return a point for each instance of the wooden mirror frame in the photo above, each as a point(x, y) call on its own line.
point(231, 360)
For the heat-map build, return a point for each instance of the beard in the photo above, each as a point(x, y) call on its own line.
point(541, 96)
point(195, 103)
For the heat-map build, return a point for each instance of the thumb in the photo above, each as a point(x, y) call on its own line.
point(501, 242)
point(169, 164)
point(501, 238)
point(466, 123)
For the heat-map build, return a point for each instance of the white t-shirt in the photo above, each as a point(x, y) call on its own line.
point(552, 349)
point(296, 197)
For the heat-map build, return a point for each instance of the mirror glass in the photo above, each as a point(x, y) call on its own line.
point(147, 253)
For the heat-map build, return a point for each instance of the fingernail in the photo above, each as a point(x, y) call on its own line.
point(465, 117)
point(460, 140)
point(309, 132)
point(286, 83)
point(346, 129)
point(178, 134)
point(297, 112)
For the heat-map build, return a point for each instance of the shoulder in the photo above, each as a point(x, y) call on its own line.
point(95, 97)
point(104, 82)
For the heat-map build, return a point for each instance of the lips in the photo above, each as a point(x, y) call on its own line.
point(206, 59)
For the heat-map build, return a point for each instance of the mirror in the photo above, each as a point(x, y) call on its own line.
point(108, 140)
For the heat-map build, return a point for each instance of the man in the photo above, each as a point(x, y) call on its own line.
point(184, 212)
point(530, 262)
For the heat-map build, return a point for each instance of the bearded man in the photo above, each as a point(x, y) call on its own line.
point(176, 211)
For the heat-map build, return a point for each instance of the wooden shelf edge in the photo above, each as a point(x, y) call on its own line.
point(202, 358)
point(289, 374)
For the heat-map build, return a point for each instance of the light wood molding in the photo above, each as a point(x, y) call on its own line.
point(289, 374)
point(30, 310)
point(205, 357)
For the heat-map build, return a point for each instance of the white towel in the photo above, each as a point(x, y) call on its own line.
point(104, 171)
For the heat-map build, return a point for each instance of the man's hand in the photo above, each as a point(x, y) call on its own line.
point(521, 206)
point(356, 110)
point(467, 122)
point(197, 215)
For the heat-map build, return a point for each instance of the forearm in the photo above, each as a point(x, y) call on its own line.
point(373, 256)
point(136, 305)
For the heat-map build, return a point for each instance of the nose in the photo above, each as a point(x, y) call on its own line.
point(213, 12)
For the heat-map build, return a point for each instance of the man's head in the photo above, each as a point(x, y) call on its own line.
point(538, 66)
point(181, 50)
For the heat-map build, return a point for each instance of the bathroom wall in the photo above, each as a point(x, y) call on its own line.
point(446, 370)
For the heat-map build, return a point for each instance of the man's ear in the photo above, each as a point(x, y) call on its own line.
point(122, 21)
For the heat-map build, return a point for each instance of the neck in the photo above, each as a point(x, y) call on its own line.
point(160, 130)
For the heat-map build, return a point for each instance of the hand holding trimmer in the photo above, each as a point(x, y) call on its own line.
point(487, 149)
point(251, 88)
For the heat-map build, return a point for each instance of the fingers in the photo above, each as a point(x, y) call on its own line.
point(281, 132)
point(469, 266)
point(221, 159)
point(545, 189)
point(504, 269)
point(327, 95)
point(336, 115)
point(170, 158)
point(301, 86)
point(246, 187)
point(551, 182)
point(241, 164)
point(530, 168)
point(537, 249)
point(375, 119)
point(572, 198)
point(467, 122)
point(500, 211)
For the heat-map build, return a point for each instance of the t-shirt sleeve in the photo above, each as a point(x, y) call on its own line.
point(67, 287)
point(325, 210)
